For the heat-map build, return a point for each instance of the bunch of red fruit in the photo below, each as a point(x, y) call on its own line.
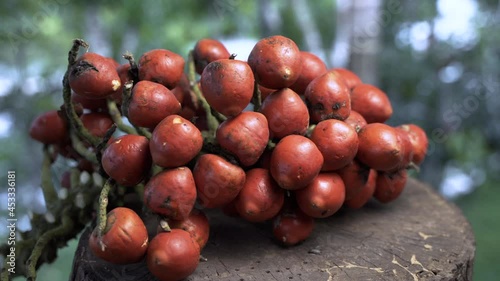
point(315, 141)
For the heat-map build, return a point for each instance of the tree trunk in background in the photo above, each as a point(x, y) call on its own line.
point(269, 18)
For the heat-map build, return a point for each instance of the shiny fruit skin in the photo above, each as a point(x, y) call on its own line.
point(407, 149)
point(97, 123)
point(171, 193)
point(295, 162)
point(196, 224)
point(127, 159)
point(351, 79)
point(172, 256)
point(292, 227)
point(327, 97)
point(261, 198)
point(337, 141)
point(363, 196)
point(206, 51)
point(286, 114)
point(227, 85)
point(175, 141)
point(94, 77)
point(312, 67)
point(355, 177)
point(356, 120)
point(217, 180)
point(49, 128)
point(276, 62)
point(150, 103)
point(373, 104)
point(419, 141)
point(380, 147)
point(389, 186)
point(125, 238)
point(323, 197)
point(245, 136)
point(161, 66)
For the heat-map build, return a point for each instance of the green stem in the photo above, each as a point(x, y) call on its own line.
point(81, 149)
point(117, 118)
point(143, 132)
point(102, 210)
point(44, 239)
point(74, 178)
point(49, 192)
point(257, 97)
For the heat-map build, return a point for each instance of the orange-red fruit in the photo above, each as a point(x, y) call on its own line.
point(351, 79)
point(196, 224)
point(419, 142)
point(261, 198)
point(245, 136)
point(356, 120)
point(362, 197)
point(97, 123)
point(295, 162)
point(292, 227)
point(371, 102)
point(161, 66)
point(206, 51)
point(265, 92)
point(227, 85)
point(49, 128)
point(171, 193)
point(124, 73)
point(127, 159)
point(327, 97)
point(407, 148)
point(125, 238)
point(217, 180)
point(323, 197)
point(175, 141)
point(337, 141)
point(276, 62)
point(390, 185)
point(380, 147)
point(172, 256)
point(94, 76)
point(151, 102)
point(90, 104)
point(286, 114)
point(312, 67)
point(355, 177)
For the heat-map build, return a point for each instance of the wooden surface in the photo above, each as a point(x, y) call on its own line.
point(420, 236)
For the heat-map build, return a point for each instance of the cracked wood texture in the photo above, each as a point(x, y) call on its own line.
point(420, 236)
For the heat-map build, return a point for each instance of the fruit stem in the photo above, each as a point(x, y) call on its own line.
point(100, 147)
point(49, 193)
point(212, 122)
point(164, 225)
point(134, 69)
point(117, 118)
point(80, 148)
point(257, 97)
point(64, 228)
point(102, 210)
point(270, 145)
point(73, 118)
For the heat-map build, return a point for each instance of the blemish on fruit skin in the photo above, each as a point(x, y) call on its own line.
point(177, 120)
point(116, 84)
point(118, 141)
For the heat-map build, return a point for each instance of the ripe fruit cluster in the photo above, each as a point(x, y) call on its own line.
point(277, 137)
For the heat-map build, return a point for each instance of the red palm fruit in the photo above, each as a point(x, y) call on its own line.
point(419, 142)
point(172, 256)
point(261, 198)
point(327, 97)
point(245, 136)
point(356, 120)
point(227, 85)
point(171, 193)
point(363, 196)
point(196, 224)
point(183, 90)
point(312, 67)
point(175, 141)
point(49, 128)
point(390, 185)
point(206, 51)
point(124, 73)
point(286, 114)
point(295, 162)
point(355, 177)
point(292, 227)
point(161, 66)
point(407, 149)
point(380, 147)
point(265, 92)
point(127, 159)
point(125, 238)
point(323, 197)
point(97, 123)
point(114, 62)
point(337, 141)
point(217, 180)
point(371, 103)
point(94, 77)
point(351, 79)
point(94, 105)
point(276, 62)
point(150, 103)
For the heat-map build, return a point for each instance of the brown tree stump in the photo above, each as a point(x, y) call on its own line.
point(420, 236)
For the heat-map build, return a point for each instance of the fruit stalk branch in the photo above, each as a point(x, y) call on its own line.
point(100, 147)
point(257, 97)
point(102, 210)
point(49, 193)
point(117, 118)
point(134, 69)
point(81, 149)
